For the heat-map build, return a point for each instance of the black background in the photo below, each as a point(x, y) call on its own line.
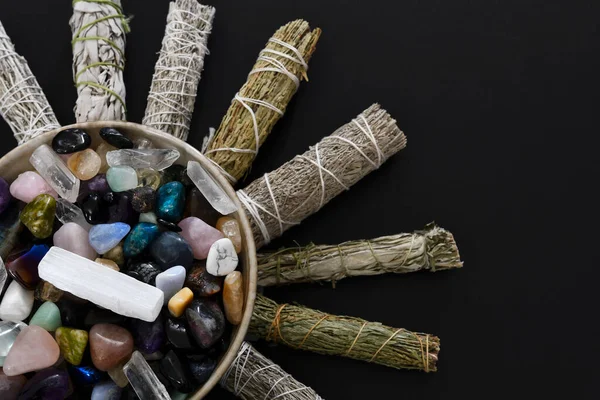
point(497, 99)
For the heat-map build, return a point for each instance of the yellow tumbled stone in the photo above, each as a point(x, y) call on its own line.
point(180, 301)
point(109, 263)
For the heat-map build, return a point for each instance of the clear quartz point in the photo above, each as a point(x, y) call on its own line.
point(157, 159)
point(54, 171)
point(68, 212)
point(102, 286)
point(143, 380)
point(3, 276)
point(210, 189)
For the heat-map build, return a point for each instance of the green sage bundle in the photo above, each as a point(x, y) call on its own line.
point(178, 69)
point(262, 100)
point(432, 249)
point(300, 187)
point(24, 106)
point(303, 328)
point(99, 29)
point(253, 376)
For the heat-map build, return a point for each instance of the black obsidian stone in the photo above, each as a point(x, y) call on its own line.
point(71, 141)
point(201, 366)
point(178, 334)
point(116, 138)
point(169, 226)
point(94, 209)
point(177, 371)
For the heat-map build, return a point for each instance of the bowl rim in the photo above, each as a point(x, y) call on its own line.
point(246, 231)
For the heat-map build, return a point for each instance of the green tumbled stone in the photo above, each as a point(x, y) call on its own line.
point(47, 317)
point(38, 215)
point(72, 343)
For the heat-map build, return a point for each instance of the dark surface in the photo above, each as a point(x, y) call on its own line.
point(497, 101)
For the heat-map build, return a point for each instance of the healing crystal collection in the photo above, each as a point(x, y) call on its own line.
point(113, 261)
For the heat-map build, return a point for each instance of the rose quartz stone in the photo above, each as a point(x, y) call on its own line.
point(74, 238)
point(29, 185)
point(34, 349)
point(199, 235)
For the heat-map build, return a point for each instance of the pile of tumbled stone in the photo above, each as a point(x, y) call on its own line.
point(115, 259)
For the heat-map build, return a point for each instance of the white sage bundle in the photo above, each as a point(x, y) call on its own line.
point(300, 187)
point(178, 69)
point(23, 104)
point(99, 29)
point(253, 376)
point(432, 249)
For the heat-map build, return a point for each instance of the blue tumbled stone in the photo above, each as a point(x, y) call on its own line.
point(170, 201)
point(106, 236)
point(106, 391)
point(85, 375)
point(139, 238)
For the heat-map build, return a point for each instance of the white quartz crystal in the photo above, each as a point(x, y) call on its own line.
point(17, 303)
point(68, 212)
point(143, 379)
point(157, 159)
point(102, 286)
point(54, 171)
point(211, 190)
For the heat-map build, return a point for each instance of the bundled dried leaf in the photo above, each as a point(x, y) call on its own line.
point(253, 376)
point(24, 106)
point(99, 29)
point(262, 100)
point(178, 69)
point(303, 328)
point(432, 249)
point(300, 187)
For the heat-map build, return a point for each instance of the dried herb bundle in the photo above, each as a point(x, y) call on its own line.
point(303, 328)
point(432, 249)
point(24, 105)
point(253, 376)
point(178, 69)
point(99, 29)
point(262, 100)
point(300, 187)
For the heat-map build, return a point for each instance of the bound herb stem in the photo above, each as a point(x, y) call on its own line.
point(303, 328)
point(432, 249)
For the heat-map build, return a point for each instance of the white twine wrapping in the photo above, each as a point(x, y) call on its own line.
point(99, 29)
point(23, 104)
point(253, 376)
point(179, 67)
point(299, 188)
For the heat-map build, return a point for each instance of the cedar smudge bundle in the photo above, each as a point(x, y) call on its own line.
point(432, 249)
point(262, 100)
point(303, 328)
point(24, 105)
point(300, 187)
point(253, 376)
point(178, 69)
point(99, 29)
